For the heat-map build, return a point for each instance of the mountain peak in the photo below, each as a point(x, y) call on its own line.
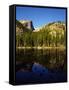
point(52, 26)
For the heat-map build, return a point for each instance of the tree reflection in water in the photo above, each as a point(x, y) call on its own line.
point(33, 65)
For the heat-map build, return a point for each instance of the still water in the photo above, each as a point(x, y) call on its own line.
point(41, 66)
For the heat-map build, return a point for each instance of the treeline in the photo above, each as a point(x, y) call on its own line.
point(44, 37)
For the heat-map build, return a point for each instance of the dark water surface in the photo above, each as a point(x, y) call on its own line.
point(41, 66)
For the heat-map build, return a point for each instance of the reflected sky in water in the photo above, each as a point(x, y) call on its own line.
point(39, 66)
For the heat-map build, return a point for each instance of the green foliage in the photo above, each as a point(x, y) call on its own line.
point(45, 37)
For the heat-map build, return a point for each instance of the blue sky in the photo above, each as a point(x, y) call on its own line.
point(40, 16)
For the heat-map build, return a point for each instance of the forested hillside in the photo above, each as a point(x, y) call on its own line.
point(50, 35)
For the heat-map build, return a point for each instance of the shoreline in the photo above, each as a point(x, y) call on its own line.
point(40, 47)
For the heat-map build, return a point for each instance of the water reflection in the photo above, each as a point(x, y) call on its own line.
point(51, 59)
point(48, 64)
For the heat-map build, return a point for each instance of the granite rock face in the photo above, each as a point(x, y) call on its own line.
point(23, 26)
point(28, 24)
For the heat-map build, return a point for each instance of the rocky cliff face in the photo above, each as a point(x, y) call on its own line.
point(27, 24)
point(54, 26)
point(23, 26)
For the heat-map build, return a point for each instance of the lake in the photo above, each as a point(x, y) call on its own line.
point(41, 65)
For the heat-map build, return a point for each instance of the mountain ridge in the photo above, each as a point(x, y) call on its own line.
point(53, 25)
point(27, 25)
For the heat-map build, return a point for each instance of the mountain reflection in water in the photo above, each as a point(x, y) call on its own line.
point(40, 66)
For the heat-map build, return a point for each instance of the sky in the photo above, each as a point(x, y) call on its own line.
point(40, 16)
